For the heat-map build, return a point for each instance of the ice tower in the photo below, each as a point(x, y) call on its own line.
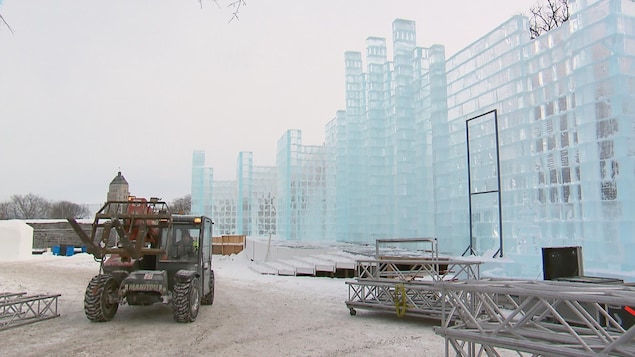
point(401, 124)
point(350, 150)
point(337, 199)
point(381, 145)
point(202, 187)
point(256, 209)
point(301, 191)
point(224, 213)
point(198, 192)
point(244, 204)
point(373, 144)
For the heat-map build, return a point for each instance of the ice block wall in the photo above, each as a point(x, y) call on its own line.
point(264, 201)
point(564, 122)
point(198, 182)
point(485, 76)
point(224, 209)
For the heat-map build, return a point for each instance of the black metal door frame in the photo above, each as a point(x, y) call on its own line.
point(470, 249)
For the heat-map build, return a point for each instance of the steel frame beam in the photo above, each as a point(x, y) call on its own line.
point(18, 308)
point(406, 284)
point(535, 318)
point(411, 270)
point(424, 299)
point(481, 317)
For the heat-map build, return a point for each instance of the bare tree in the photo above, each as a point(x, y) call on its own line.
point(30, 206)
point(547, 15)
point(7, 210)
point(182, 205)
point(66, 209)
point(234, 4)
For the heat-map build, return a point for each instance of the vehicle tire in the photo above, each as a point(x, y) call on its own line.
point(186, 300)
point(100, 299)
point(208, 298)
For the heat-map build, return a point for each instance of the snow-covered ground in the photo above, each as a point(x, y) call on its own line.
point(252, 315)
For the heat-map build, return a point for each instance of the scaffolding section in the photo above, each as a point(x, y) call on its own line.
point(19, 308)
point(536, 318)
point(405, 282)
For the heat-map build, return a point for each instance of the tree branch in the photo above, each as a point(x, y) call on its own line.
point(547, 17)
point(6, 24)
point(236, 5)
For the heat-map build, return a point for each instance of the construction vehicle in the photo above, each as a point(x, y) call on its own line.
point(148, 255)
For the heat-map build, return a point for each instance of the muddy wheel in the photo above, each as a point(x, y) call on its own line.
point(186, 301)
point(100, 299)
point(208, 298)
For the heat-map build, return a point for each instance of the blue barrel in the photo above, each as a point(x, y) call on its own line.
point(70, 250)
point(56, 250)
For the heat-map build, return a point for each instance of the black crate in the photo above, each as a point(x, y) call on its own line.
point(561, 262)
point(624, 315)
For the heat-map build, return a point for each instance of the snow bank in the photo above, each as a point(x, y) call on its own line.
point(16, 240)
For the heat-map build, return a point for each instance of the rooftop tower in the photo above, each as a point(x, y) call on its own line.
point(118, 189)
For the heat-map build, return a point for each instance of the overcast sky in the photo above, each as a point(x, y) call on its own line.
point(88, 88)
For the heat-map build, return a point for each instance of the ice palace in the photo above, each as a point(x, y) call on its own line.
point(508, 146)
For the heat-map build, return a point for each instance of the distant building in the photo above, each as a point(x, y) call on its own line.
point(118, 189)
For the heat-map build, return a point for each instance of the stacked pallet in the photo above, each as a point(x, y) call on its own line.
point(228, 244)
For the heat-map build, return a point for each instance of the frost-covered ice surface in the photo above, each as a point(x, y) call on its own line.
point(252, 315)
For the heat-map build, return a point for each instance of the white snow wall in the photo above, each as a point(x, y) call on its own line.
point(16, 240)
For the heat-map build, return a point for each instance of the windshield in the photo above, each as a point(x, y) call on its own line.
point(181, 243)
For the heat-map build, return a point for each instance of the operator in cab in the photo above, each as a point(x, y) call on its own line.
point(186, 245)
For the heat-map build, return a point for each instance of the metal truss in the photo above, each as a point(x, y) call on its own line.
point(406, 286)
point(423, 299)
point(535, 318)
point(385, 248)
point(411, 270)
point(18, 308)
